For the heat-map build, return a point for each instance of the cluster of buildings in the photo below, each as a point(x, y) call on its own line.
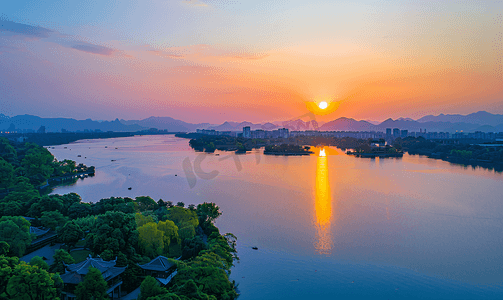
point(390, 134)
point(160, 268)
point(396, 133)
point(248, 133)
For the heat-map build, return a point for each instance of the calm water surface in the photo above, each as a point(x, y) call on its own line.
point(327, 227)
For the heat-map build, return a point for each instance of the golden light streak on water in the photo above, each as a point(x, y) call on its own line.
point(323, 205)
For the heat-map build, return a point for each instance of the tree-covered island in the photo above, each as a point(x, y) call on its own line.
point(119, 242)
point(287, 149)
point(463, 152)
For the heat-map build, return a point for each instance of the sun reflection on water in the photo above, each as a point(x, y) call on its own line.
point(323, 205)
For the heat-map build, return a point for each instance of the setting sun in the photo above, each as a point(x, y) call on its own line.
point(323, 105)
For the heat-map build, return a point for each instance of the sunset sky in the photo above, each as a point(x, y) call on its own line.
point(217, 60)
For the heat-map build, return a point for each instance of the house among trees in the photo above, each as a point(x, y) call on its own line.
point(161, 269)
point(75, 274)
point(42, 237)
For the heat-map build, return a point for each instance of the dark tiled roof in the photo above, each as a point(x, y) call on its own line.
point(38, 231)
point(75, 273)
point(160, 263)
point(72, 278)
point(112, 272)
point(83, 267)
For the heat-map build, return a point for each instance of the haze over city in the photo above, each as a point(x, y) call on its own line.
point(260, 61)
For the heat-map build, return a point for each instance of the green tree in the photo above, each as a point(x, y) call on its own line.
point(39, 262)
point(45, 204)
point(7, 265)
point(7, 152)
point(4, 248)
point(168, 296)
point(93, 286)
point(68, 200)
point(187, 231)
point(70, 233)
point(182, 216)
point(142, 220)
point(124, 205)
point(21, 195)
point(52, 219)
point(61, 257)
point(151, 240)
point(208, 212)
point(86, 223)
point(29, 282)
point(189, 290)
point(79, 210)
point(192, 247)
point(64, 167)
point(144, 203)
point(7, 174)
point(115, 231)
point(170, 231)
point(10, 208)
point(38, 162)
point(150, 288)
point(16, 232)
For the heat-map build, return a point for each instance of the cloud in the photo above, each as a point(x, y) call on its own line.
point(164, 54)
point(251, 57)
point(23, 29)
point(195, 3)
point(204, 52)
point(94, 49)
point(68, 41)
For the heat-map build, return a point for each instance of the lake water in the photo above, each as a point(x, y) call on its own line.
point(327, 227)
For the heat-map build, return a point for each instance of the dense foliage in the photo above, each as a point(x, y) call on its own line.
point(93, 286)
point(16, 232)
point(133, 231)
point(286, 149)
point(467, 154)
point(19, 280)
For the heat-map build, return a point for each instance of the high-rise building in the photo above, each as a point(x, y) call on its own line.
point(247, 132)
point(283, 133)
point(396, 132)
point(388, 132)
point(404, 133)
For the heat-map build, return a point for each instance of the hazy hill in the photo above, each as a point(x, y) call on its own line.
point(348, 124)
point(299, 125)
point(3, 118)
point(56, 124)
point(168, 123)
point(235, 126)
point(480, 118)
point(430, 124)
point(479, 121)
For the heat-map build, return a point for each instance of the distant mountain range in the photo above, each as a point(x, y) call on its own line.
point(235, 126)
point(56, 124)
point(479, 121)
point(166, 123)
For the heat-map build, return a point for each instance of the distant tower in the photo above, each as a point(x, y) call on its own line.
point(41, 129)
point(247, 132)
point(388, 132)
point(396, 132)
